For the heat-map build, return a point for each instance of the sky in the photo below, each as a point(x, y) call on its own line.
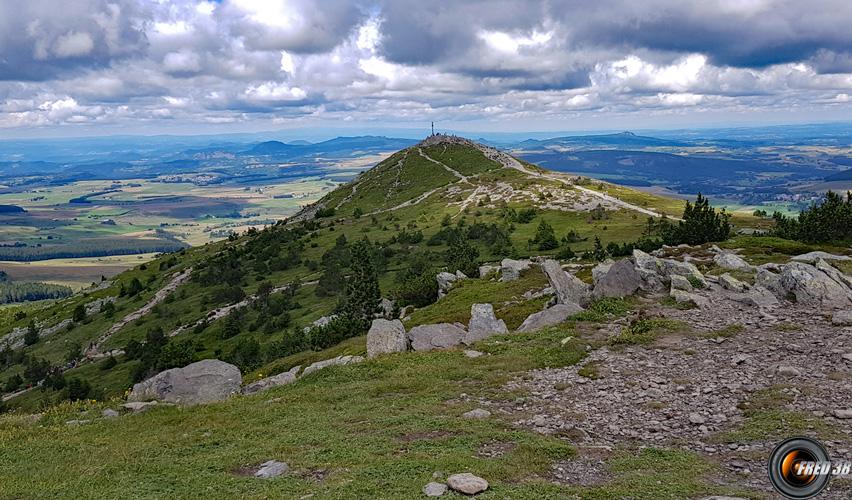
point(95, 67)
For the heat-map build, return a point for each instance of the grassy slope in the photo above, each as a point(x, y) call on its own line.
point(379, 429)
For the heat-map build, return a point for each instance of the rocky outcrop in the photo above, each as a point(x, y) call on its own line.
point(202, 382)
point(386, 337)
point(680, 283)
point(682, 297)
point(284, 378)
point(814, 287)
point(338, 361)
point(620, 280)
point(485, 270)
point(438, 336)
point(386, 309)
point(842, 318)
point(732, 262)
point(569, 289)
point(600, 270)
point(549, 317)
point(483, 324)
point(511, 269)
point(813, 257)
point(756, 296)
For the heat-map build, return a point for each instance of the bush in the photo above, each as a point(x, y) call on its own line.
point(78, 389)
point(245, 354)
point(31, 335)
point(334, 332)
point(830, 220)
point(701, 224)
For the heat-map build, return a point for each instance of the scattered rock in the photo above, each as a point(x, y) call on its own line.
point(386, 337)
point(467, 483)
point(201, 382)
point(813, 287)
point(569, 289)
point(682, 297)
point(696, 419)
point(338, 361)
point(472, 354)
point(477, 414)
point(843, 414)
point(445, 282)
point(620, 280)
point(757, 296)
point(549, 317)
point(732, 262)
point(485, 270)
point(78, 422)
point(284, 378)
point(813, 257)
point(600, 270)
point(483, 324)
point(434, 489)
point(109, 413)
point(438, 336)
point(510, 269)
point(270, 469)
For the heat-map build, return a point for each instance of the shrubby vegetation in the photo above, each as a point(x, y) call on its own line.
point(828, 221)
point(95, 247)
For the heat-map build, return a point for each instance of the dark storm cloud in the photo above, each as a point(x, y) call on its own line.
point(41, 39)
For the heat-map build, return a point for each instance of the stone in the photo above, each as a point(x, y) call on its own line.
point(757, 296)
point(270, 469)
point(732, 262)
point(485, 270)
point(672, 267)
point(728, 282)
point(788, 371)
point(138, 406)
point(842, 318)
point(338, 361)
point(467, 483)
point(477, 414)
point(483, 324)
point(685, 297)
point(511, 269)
point(620, 280)
point(834, 273)
point(77, 422)
point(386, 336)
point(472, 354)
point(568, 289)
point(445, 282)
point(549, 317)
point(696, 419)
point(813, 257)
point(434, 489)
point(813, 287)
point(205, 381)
point(320, 322)
point(847, 357)
point(600, 270)
point(109, 413)
point(681, 283)
point(284, 378)
point(460, 275)
point(437, 336)
point(843, 414)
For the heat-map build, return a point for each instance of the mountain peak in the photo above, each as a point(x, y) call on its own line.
point(436, 139)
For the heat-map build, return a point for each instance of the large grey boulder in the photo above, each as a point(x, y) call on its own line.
point(649, 271)
point(483, 324)
point(813, 287)
point(385, 337)
point(549, 317)
point(757, 296)
point(284, 378)
point(680, 283)
point(510, 269)
point(842, 318)
point(682, 297)
point(467, 483)
point(202, 382)
point(671, 267)
point(569, 289)
point(813, 257)
point(338, 361)
point(620, 280)
point(771, 281)
point(485, 270)
point(732, 262)
point(834, 273)
point(438, 336)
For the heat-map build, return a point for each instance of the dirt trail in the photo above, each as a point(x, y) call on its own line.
point(158, 297)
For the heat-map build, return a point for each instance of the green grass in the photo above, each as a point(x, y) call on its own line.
point(645, 330)
point(605, 309)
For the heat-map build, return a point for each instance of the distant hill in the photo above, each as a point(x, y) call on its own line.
point(623, 139)
point(845, 175)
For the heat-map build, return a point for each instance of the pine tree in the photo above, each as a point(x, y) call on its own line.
point(461, 255)
point(31, 335)
point(362, 287)
point(545, 237)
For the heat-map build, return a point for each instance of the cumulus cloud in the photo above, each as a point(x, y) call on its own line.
point(229, 61)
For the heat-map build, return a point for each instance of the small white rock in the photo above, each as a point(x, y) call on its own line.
point(434, 489)
point(271, 468)
point(467, 483)
point(477, 414)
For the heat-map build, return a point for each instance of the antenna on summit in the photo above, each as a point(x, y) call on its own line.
point(433, 128)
